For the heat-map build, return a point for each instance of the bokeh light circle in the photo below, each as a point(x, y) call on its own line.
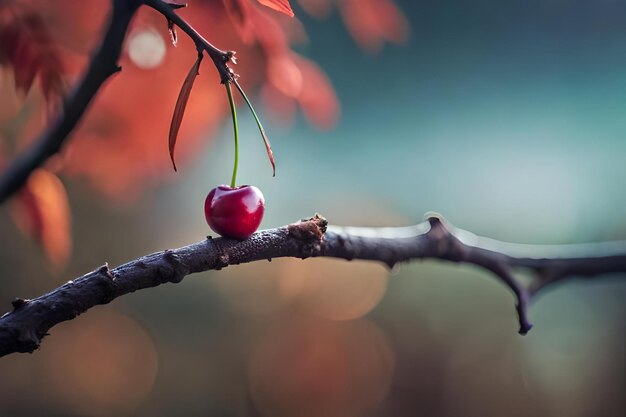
point(146, 48)
point(313, 367)
point(101, 365)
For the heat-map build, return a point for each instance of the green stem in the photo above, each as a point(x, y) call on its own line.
point(233, 112)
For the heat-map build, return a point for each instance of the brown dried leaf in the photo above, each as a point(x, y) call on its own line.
point(279, 5)
point(181, 103)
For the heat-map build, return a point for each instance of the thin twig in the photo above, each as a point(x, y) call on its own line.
point(220, 58)
point(22, 329)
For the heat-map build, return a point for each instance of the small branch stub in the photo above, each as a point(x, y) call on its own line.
point(309, 230)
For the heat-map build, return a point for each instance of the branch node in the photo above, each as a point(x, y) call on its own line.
point(222, 262)
point(19, 303)
point(309, 230)
point(177, 273)
point(229, 56)
point(434, 218)
point(106, 271)
point(438, 225)
point(107, 285)
point(446, 244)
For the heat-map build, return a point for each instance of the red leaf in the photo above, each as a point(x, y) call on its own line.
point(371, 22)
point(41, 210)
point(269, 34)
point(239, 13)
point(284, 74)
point(26, 45)
point(317, 97)
point(283, 108)
point(181, 103)
point(316, 8)
point(279, 5)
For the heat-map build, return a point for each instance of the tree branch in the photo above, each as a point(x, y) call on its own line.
point(102, 65)
point(22, 329)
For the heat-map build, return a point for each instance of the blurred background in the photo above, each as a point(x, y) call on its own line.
point(506, 117)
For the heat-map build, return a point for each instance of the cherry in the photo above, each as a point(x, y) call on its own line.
point(234, 212)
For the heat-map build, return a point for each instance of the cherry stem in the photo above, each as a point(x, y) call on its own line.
point(233, 112)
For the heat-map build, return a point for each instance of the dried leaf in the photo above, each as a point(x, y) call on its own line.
point(41, 211)
point(279, 5)
point(181, 103)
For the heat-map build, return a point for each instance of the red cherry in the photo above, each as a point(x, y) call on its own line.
point(234, 212)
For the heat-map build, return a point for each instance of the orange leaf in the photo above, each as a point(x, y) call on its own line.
point(279, 5)
point(181, 103)
point(41, 210)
